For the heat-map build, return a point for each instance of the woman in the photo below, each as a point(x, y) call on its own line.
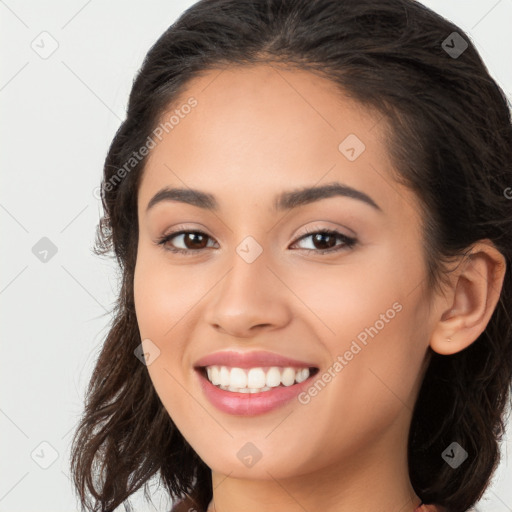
point(310, 205)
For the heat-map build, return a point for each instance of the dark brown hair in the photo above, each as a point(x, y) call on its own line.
point(450, 137)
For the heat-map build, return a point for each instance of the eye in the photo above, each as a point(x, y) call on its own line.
point(194, 241)
point(194, 238)
point(328, 237)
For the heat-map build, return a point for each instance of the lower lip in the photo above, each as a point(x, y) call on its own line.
point(250, 404)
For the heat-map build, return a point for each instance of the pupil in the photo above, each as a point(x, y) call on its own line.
point(321, 235)
point(193, 236)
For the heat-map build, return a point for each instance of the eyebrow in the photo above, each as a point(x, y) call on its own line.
point(284, 201)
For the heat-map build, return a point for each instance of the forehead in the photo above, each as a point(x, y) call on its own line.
point(272, 100)
point(260, 129)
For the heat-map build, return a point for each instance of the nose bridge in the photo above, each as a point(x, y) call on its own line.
point(249, 294)
point(249, 276)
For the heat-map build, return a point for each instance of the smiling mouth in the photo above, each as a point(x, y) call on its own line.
point(255, 380)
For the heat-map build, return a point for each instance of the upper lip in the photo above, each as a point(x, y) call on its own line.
point(249, 360)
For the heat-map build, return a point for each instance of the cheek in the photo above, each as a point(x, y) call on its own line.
point(165, 293)
point(167, 305)
point(371, 382)
point(349, 298)
point(375, 319)
point(163, 296)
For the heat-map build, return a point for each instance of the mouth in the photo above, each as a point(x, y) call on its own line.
point(255, 380)
point(253, 391)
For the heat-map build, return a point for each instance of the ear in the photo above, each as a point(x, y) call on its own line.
point(464, 310)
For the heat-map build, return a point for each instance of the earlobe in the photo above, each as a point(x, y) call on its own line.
point(468, 306)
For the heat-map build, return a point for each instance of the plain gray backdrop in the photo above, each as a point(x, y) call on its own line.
point(67, 69)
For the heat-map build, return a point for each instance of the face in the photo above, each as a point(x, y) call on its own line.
point(258, 274)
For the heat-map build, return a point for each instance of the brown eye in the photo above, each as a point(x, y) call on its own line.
point(321, 240)
point(192, 241)
point(325, 241)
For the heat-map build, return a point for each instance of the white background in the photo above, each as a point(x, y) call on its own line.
point(58, 118)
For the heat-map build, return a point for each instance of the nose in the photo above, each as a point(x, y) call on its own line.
point(249, 297)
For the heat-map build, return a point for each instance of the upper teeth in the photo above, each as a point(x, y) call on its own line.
point(255, 378)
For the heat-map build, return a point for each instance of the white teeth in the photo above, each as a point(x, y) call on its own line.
point(237, 379)
point(302, 375)
point(224, 376)
point(273, 377)
point(245, 390)
point(254, 380)
point(288, 376)
point(215, 377)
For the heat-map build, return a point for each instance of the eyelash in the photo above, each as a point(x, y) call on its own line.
point(348, 242)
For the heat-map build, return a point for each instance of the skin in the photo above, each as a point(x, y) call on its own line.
point(255, 132)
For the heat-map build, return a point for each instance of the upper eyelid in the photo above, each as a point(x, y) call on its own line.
point(308, 231)
point(180, 229)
